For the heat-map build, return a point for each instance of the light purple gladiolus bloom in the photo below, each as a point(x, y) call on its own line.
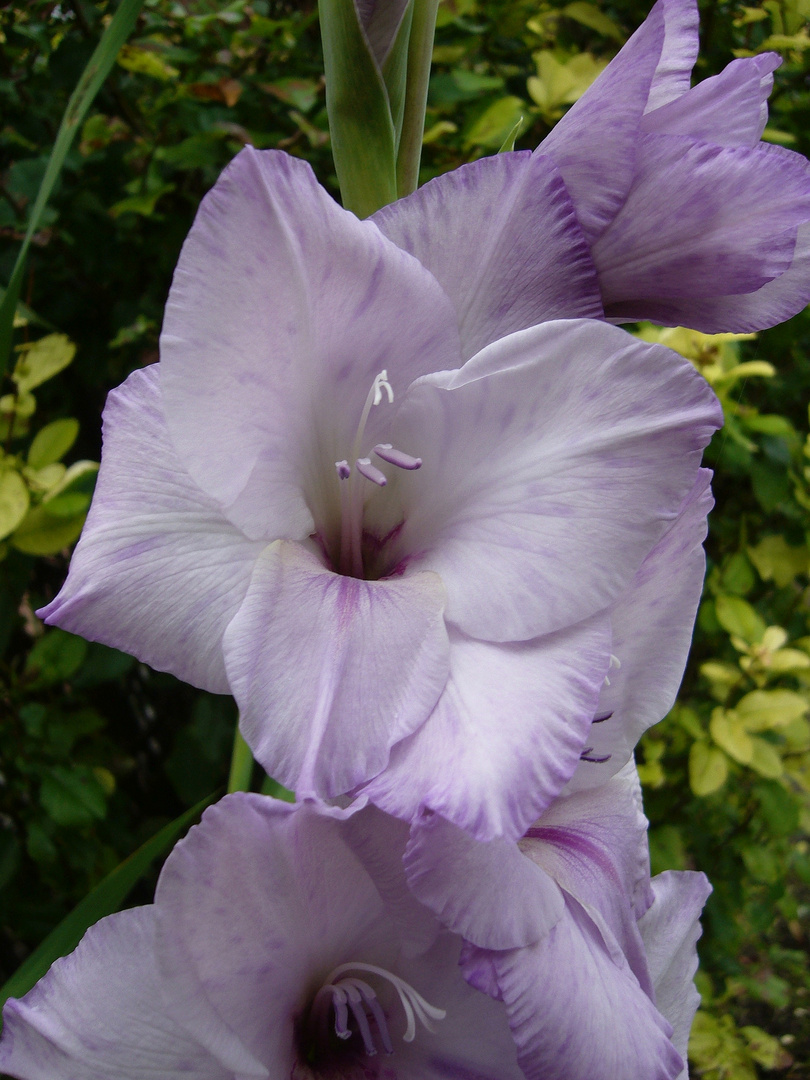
point(285, 942)
point(684, 215)
point(593, 962)
point(314, 502)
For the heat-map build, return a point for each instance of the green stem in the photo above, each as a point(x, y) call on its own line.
point(241, 765)
point(420, 54)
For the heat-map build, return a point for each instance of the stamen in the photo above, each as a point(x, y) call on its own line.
point(615, 662)
point(371, 472)
point(356, 1005)
point(343, 470)
point(381, 383)
point(360, 993)
point(601, 719)
point(586, 756)
point(395, 457)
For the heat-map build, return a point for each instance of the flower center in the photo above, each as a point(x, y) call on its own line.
point(354, 476)
point(357, 1010)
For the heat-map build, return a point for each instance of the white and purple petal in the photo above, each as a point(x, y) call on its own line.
point(500, 275)
point(159, 571)
point(670, 930)
point(575, 1008)
point(330, 671)
point(280, 316)
point(505, 735)
point(565, 446)
point(102, 1014)
point(652, 633)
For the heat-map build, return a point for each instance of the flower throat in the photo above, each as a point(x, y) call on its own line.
point(354, 475)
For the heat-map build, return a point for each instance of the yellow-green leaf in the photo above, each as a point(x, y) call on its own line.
point(492, 127)
point(146, 62)
point(738, 617)
point(42, 360)
point(41, 534)
point(14, 500)
point(728, 732)
point(779, 561)
point(52, 442)
point(708, 768)
point(590, 16)
point(765, 759)
point(762, 710)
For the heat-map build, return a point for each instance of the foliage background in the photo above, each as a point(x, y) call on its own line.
point(97, 752)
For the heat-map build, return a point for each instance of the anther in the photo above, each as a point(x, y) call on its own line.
point(343, 470)
point(381, 383)
point(395, 457)
point(371, 472)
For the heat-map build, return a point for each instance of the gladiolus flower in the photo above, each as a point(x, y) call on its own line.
point(286, 942)
point(314, 503)
point(684, 216)
point(592, 961)
point(283, 942)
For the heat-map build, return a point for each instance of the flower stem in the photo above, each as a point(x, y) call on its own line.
point(420, 54)
point(241, 765)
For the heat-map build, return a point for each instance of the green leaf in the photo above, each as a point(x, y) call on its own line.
point(765, 759)
point(73, 796)
point(98, 67)
point(738, 617)
point(499, 123)
point(42, 360)
point(108, 896)
point(55, 657)
point(14, 500)
point(52, 442)
point(590, 16)
point(728, 732)
point(777, 560)
point(146, 62)
point(708, 768)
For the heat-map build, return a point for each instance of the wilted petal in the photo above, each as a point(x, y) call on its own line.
point(565, 446)
point(101, 1014)
point(280, 315)
point(500, 275)
point(729, 109)
point(576, 1011)
point(652, 633)
point(700, 220)
point(464, 882)
point(670, 930)
point(159, 571)
point(330, 671)
point(505, 735)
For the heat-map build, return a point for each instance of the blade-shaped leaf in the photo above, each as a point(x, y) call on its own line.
point(88, 86)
